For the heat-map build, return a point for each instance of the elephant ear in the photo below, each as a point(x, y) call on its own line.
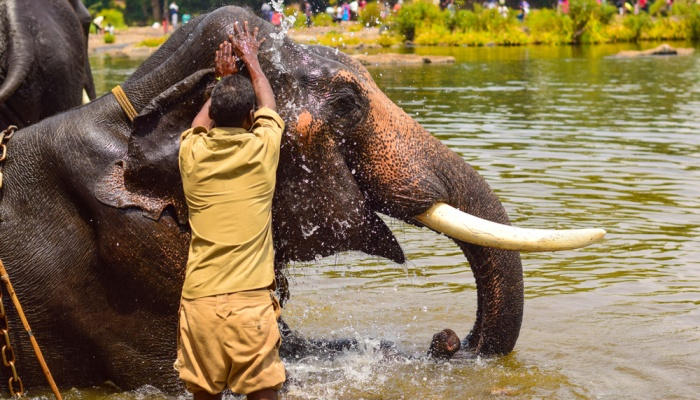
point(149, 178)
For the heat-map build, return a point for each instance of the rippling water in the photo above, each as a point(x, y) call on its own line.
point(567, 137)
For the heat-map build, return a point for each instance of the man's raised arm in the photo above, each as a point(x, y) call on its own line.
point(224, 65)
point(246, 46)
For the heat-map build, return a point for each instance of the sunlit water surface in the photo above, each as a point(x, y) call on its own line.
point(567, 137)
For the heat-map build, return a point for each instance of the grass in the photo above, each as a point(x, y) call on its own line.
point(152, 42)
point(109, 38)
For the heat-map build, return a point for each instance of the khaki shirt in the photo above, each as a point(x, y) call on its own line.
point(228, 175)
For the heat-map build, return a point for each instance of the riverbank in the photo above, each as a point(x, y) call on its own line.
point(132, 42)
point(425, 25)
point(142, 41)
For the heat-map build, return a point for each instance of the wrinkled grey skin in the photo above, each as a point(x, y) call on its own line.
point(94, 225)
point(43, 59)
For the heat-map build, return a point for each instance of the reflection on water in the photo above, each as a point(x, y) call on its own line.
point(568, 138)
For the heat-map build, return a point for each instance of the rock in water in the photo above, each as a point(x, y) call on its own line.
point(663, 50)
point(401, 59)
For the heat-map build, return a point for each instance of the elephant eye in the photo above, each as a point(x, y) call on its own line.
point(346, 107)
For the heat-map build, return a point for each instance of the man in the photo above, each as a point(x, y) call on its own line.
point(228, 334)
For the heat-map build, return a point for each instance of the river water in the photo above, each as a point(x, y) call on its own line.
point(567, 137)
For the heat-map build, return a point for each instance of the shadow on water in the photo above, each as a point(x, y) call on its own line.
point(567, 137)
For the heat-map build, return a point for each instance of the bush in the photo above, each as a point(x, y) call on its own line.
point(369, 16)
point(462, 20)
point(387, 40)
point(657, 8)
point(589, 20)
point(665, 29)
point(693, 21)
point(109, 38)
point(336, 39)
point(299, 17)
point(549, 27)
point(607, 12)
point(414, 15)
point(153, 42)
point(113, 16)
point(582, 13)
point(689, 12)
point(636, 24)
point(300, 21)
point(322, 19)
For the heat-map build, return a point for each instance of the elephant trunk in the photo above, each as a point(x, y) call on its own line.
point(20, 52)
point(405, 171)
point(497, 272)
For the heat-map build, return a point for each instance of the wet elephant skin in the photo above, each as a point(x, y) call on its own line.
point(95, 228)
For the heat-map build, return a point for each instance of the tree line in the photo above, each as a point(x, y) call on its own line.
point(146, 11)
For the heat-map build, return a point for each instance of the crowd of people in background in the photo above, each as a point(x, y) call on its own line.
point(343, 11)
point(346, 10)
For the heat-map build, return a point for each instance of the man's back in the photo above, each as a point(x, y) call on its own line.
point(228, 177)
point(228, 333)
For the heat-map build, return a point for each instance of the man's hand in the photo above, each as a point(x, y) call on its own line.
point(245, 43)
point(225, 61)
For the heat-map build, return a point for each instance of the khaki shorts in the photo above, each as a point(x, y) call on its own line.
point(230, 340)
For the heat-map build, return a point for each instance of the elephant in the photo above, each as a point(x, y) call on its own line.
point(94, 222)
point(44, 67)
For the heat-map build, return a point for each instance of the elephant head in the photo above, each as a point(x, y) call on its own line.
point(348, 153)
point(44, 66)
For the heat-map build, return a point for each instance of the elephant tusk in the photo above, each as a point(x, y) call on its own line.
point(468, 228)
point(86, 98)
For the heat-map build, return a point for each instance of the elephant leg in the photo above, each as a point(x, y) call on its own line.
point(295, 346)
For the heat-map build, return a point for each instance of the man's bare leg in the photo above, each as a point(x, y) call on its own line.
point(204, 395)
point(265, 394)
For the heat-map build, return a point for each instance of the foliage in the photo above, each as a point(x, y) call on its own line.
point(336, 39)
point(322, 19)
point(416, 15)
point(636, 24)
point(657, 8)
point(423, 22)
point(369, 16)
point(113, 16)
point(109, 38)
point(665, 29)
point(387, 39)
point(299, 17)
point(153, 42)
point(431, 26)
point(588, 19)
point(353, 27)
point(549, 27)
point(689, 11)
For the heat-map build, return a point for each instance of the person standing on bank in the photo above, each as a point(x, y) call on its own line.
point(228, 335)
point(173, 11)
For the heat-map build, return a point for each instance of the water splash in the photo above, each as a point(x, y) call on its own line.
point(287, 21)
point(278, 37)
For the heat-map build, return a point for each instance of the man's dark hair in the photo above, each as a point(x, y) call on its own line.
point(231, 101)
